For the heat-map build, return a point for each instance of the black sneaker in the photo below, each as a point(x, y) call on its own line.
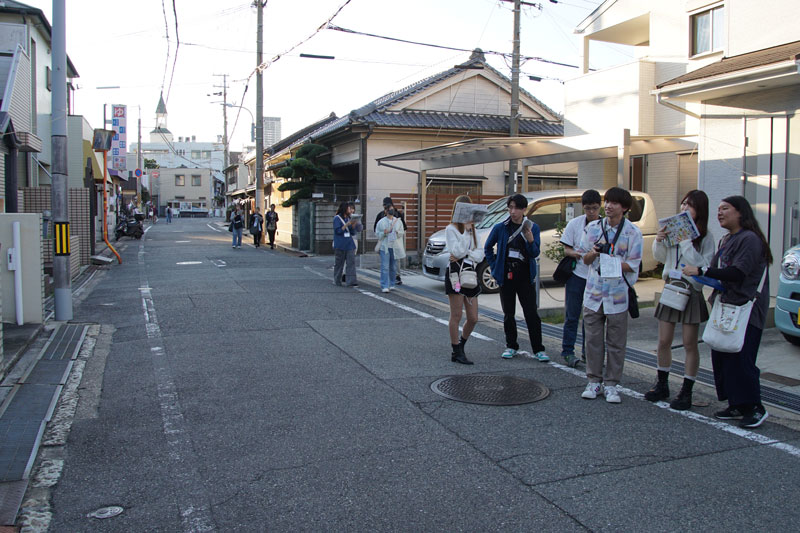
point(754, 420)
point(660, 391)
point(729, 413)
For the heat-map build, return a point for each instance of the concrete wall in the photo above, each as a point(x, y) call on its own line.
point(32, 267)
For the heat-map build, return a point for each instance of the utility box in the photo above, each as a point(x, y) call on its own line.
point(31, 257)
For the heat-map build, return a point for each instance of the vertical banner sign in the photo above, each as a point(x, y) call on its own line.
point(61, 230)
point(119, 144)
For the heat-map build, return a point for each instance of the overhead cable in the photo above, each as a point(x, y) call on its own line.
point(492, 52)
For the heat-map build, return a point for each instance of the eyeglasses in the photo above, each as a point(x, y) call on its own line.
point(591, 208)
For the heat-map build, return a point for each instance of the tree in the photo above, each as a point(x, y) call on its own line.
point(145, 195)
point(303, 172)
point(150, 163)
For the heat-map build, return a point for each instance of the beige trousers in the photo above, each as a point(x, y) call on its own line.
point(606, 340)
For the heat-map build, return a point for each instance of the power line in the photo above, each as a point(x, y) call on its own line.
point(492, 52)
point(177, 46)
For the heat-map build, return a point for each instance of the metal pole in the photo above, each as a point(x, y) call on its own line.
point(226, 155)
point(260, 111)
point(62, 293)
point(512, 164)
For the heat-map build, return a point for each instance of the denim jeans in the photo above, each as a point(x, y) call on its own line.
point(237, 236)
point(388, 268)
point(573, 304)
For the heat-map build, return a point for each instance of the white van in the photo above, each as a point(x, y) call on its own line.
point(546, 208)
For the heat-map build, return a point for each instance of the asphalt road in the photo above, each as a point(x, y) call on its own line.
point(240, 390)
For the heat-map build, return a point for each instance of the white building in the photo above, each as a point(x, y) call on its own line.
point(181, 154)
point(272, 130)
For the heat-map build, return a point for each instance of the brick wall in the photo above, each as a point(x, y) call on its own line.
point(37, 200)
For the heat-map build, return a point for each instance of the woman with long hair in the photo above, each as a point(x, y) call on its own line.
point(345, 229)
point(742, 266)
point(698, 252)
point(462, 242)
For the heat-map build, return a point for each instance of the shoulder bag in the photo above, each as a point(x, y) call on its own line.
point(727, 324)
point(564, 269)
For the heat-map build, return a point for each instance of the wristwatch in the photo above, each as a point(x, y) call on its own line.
point(702, 270)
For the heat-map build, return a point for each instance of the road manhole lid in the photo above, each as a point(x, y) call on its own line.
point(106, 512)
point(490, 390)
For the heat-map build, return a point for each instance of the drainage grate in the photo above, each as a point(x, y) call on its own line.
point(490, 390)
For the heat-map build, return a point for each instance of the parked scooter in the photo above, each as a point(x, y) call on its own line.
point(129, 227)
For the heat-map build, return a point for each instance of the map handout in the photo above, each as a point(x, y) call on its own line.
point(465, 213)
point(680, 227)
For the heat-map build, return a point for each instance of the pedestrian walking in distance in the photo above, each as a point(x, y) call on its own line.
point(514, 268)
point(169, 215)
point(237, 225)
point(256, 227)
point(576, 284)
point(741, 265)
point(698, 252)
point(271, 220)
point(460, 239)
point(345, 229)
point(612, 247)
point(398, 213)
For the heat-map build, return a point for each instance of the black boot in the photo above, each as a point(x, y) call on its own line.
point(660, 390)
point(683, 401)
point(458, 354)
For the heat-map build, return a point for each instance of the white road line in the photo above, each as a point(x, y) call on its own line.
point(179, 242)
point(189, 263)
point(717, 424)
point(420, 313)
point(213, 228)
point(219, 263)
point(193, 503)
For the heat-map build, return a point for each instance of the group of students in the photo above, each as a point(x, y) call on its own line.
point(257, 223)
point(608, 252)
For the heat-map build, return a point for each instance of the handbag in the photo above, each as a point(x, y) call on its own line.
point(727, 324)
point(467, 277)
point(230, 227)
point(564, 269)
point(676, 296)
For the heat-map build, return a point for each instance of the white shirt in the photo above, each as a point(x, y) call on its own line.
point(461, 245)
point(572, 236)
point(674, 257)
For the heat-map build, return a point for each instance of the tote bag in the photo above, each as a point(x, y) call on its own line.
point(728, 323)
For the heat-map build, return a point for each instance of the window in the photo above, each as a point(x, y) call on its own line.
point(195, 154)
point(180, 180)
point(708, 30)
point(638, 173)
point(196, 180)
point(547, 214)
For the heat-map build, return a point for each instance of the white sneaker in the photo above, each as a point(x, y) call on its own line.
point(612, 394)
point(592, 390)
point(384, 290)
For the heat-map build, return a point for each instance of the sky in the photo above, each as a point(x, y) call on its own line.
point(181, 49)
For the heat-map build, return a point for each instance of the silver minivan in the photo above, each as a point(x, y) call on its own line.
point(547, 209)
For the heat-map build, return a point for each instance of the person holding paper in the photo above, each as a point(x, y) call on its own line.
point(390, 232)
point(612, 247)
point(460, 239)
point(697, 251)
point(514, 269)
point(576, 284)
point(345, 229)
point(741, 264)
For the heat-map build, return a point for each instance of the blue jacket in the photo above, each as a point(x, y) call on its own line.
point(340, 242)
point(499, 236)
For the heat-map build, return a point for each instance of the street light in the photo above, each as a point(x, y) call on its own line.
point(252, 118)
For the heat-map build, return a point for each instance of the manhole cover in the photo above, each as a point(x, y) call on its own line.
point(490, 390)
point(106, 512)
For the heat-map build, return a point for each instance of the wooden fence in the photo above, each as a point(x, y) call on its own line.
point(439, 209)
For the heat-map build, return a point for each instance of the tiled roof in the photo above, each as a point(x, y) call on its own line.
point(301, 134)
point(376, 112)
point(727, 65)
point(463, 121)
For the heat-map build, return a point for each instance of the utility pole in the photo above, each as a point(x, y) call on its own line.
point(226, 157)
point(139, 162)
point(62, 294)
point(513, 164)
point(260, 110)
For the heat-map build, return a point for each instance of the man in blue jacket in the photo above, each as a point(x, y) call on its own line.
point(514, 269)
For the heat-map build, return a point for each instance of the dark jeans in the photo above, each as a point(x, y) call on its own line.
point(573, 304)
point(520, 287)
point(271, 233)
point(736, 375)
point(256, 238)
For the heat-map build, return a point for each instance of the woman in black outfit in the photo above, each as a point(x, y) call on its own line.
point(742, 265)
point(256, 227)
